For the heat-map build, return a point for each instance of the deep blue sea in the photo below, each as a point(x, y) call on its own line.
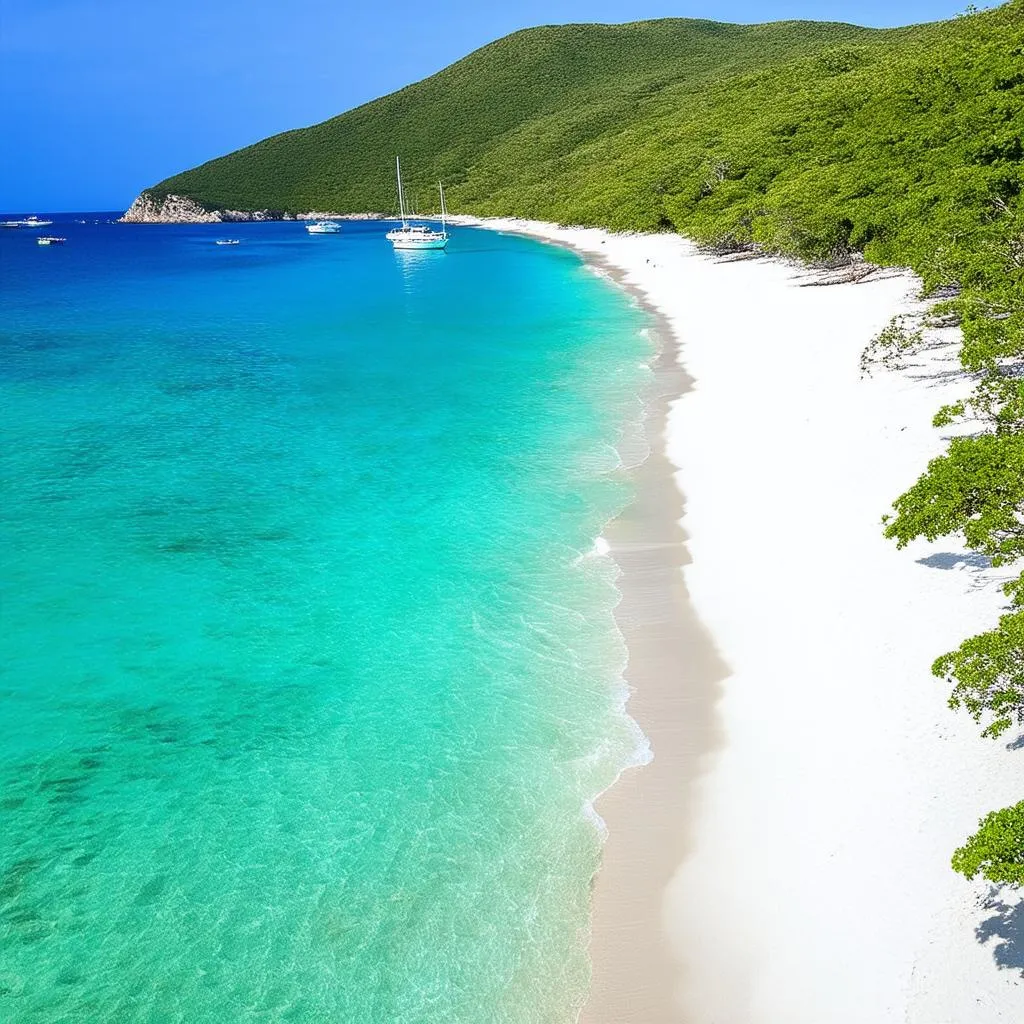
point(309, 669)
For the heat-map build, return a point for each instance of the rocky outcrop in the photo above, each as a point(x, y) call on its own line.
point(172, 209)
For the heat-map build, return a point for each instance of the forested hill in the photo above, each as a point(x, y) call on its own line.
point(524, 103)
point(520, 108)
point(801, 135)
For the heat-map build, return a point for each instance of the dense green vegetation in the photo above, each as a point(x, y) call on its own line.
point(996, 851)
point(504, 117)
point(814, 140)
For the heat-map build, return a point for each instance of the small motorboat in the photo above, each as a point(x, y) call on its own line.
point(50, 240)
point(227, 241)
point(324, 227)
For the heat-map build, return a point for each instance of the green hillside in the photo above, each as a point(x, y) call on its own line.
point(531, 98)
point(814, 140)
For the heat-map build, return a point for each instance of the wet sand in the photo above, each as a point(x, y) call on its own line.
point(674, 674)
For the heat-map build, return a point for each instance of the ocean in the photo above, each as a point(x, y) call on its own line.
point(310, 670)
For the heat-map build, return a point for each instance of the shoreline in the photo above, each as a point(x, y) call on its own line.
point(673, 674)
point(808, 782)
point(647, 811)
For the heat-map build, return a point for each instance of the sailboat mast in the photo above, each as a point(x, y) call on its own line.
point(401, 194)
point(443, 211)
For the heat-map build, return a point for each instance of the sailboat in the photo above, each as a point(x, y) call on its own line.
point(417, 236)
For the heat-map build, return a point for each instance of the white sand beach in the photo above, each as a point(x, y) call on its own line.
point(809, 842)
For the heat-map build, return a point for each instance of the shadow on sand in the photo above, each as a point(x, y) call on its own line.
point(1005, 924)
point(952, 560)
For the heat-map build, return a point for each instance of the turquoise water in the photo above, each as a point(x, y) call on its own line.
point(307, 674)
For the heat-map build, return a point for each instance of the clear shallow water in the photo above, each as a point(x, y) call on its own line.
point(305, 681)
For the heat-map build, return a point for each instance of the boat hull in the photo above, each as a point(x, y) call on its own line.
point(417, 243)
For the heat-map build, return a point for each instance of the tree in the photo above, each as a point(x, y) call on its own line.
point(977, 489)
point(996, 850)
point(988, 675)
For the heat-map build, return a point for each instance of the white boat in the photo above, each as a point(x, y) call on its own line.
point(324, 227)
point(416, 236)
point(28, 222)
point(50, 240)
point(226, 241)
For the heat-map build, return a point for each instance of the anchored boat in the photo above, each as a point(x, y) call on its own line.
point(324, 227)
point(417, 236)
point(28, 222)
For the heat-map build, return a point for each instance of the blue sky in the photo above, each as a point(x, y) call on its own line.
point(99, 98)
